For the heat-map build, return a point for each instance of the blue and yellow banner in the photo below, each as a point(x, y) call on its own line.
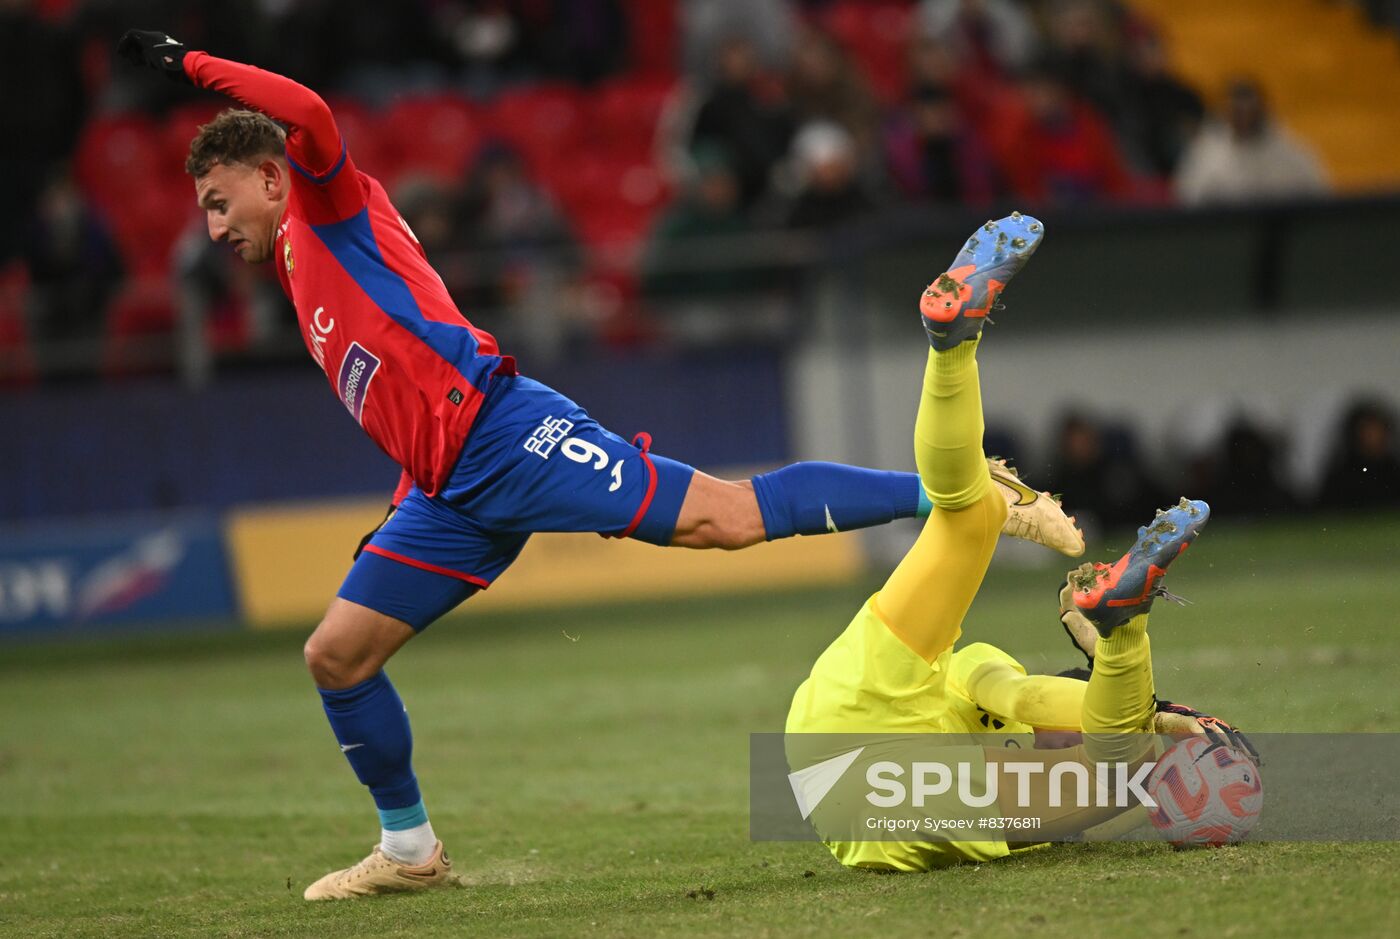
point(124, 573)
point(289, 561)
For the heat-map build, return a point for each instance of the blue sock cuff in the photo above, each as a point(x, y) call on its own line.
point(814, 498)
point(908, 494)
point(777, 523)
point(925, 508)
point(339, 699)
point(403, 819)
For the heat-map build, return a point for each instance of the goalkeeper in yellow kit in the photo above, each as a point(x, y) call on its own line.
point(893, 670)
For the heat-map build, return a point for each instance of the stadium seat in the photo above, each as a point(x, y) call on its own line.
point(436, 134)
point(181, 124)
point(543, 122)
point(119, 159)
point(140, 327)
point(876, 35)
point(623, 114)
point(367, 139)
point(654, 36)
point(16, 358)
point(610, 197)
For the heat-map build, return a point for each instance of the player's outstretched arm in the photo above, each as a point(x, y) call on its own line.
point(313, 140)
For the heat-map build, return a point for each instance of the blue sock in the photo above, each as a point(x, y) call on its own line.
point(371, 725)
point(814, 498)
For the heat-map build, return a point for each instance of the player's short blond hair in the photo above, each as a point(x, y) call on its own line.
point(235, 136)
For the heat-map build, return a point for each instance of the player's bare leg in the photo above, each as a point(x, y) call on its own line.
point(351, 644)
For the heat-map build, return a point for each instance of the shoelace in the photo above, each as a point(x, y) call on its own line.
point(1165, 594)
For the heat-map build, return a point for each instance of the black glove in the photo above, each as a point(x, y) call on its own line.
point(1215, 730)
point(155, 49)
point(365, 540)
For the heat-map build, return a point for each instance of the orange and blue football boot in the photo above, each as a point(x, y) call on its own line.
point(955, 306)
point(1108, 595)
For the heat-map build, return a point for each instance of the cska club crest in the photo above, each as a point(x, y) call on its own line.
point(287, 255)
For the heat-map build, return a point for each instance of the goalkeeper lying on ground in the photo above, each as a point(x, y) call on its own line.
point(893, 671)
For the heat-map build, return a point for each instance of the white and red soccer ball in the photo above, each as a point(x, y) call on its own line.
point(1206, 793)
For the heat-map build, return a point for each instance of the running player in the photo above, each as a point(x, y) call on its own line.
point(488, 456)
point(893, 670)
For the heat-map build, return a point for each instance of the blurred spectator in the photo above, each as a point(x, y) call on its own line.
point(933, 64)
point(225, 306)
point(824, 85)
point(1247, 156)
point(379, 48)
point(1100, 474)
point(708, 26)
point(42, 96)
point(522, 259)
point(74, 271)
point(574, 40)
point(702, 258)
point(1243, 479)
point(706, 213)
point(433, 213)
point(752, 132)
point(1086, 47)
point(1054, 147)
point(1163, 114)
point(935, 155)
point(1364, 471)
point(989, 35)
point(514, 225)
point(825, 179)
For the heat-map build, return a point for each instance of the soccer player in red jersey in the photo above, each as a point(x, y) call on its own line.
point(488, 456)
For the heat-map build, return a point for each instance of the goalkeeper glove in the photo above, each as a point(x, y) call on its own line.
point(1081, 632)
point(374, 531)
point(1178, 720)
point(156, 50)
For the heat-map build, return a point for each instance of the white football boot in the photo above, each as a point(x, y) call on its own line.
point(380, 873)
point(1034, 516)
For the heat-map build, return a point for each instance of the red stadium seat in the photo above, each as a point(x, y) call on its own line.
point(181, 124)
point(367, 138)
point(146, 228)
point(624, 113)
point(543, 122)
point(434, 134)
point(16, 358)
point(611, 198)
point(139, 319)
point(126, 170)
point(119, 159)
point(601, 178)
point(654, 36)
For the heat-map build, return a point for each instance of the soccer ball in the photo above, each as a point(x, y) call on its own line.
point(1206, 793)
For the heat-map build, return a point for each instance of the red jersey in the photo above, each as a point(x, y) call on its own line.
point(374, 314)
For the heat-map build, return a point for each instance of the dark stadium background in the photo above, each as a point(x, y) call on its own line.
point(709, 220)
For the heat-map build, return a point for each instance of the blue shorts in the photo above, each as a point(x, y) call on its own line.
point(534, 461)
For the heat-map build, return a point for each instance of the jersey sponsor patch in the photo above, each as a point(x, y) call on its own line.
point(356, 371)
point(547, 436)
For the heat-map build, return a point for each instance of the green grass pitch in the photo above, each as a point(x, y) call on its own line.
point(588, 770)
